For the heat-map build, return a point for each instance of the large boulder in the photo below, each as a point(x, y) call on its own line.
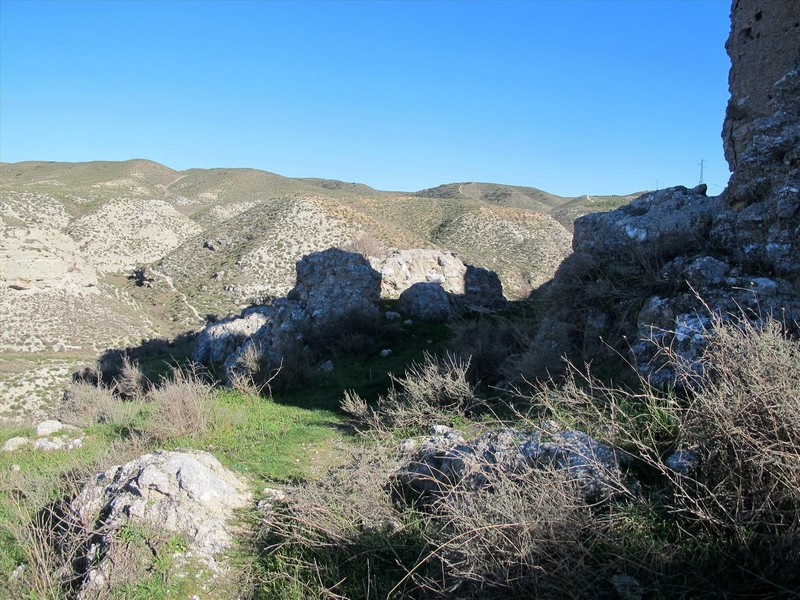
point(659, 225)
point(220, 339)
point(334, 282)
point(286, 326)
point(403, 268)
point(189, 494)
point(428, 302)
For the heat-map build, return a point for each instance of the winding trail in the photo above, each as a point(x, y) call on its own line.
point(171, 183)
point(168, 279)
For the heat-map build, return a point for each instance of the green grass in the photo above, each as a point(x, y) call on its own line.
point(267, 440)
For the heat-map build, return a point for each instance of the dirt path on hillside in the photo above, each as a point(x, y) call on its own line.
point(168, 279)
point(171, 183)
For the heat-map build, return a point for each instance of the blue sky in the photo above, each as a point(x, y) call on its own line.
point(572, 97)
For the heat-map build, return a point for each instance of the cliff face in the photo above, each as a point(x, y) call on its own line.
point(656, 272)
point(764, 44)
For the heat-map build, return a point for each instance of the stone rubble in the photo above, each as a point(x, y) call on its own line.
point(445, 461)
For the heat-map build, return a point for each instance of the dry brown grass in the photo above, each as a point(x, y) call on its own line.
point(85, 404)
point(432, 391)
point(745, 414)
point(182, 405)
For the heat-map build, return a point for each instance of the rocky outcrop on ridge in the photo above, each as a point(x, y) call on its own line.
point(659, 271)
point(331, 284)
point(335, 284)
point(403, 268)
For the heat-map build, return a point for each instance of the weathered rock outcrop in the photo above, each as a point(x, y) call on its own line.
point(661, 270)
point(35, 259)
point(218, 340)
point(178, 493)
point(446, 461)
point(403, 268)
point(764, 44)
point(330, 284)
point(334, 282)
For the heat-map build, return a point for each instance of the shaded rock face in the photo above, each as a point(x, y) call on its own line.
point(482, 288)
point(335, 282)
point(764, 44)
point(662, 269)
point(446, 460)
point(186, 493)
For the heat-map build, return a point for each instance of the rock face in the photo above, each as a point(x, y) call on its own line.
point(445, 461)
point(662, 269)
point(335, 282)
point(403, 268)
point(34, 259)
point(185, 493)
point(218, 340)
point(764, 44)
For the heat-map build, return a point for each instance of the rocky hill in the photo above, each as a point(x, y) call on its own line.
point(212, 241)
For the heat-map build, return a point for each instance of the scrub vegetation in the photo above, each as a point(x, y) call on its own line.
point(342, 529)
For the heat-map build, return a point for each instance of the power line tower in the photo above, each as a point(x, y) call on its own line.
point(701, 164)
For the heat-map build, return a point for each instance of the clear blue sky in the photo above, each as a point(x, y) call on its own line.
point(568, 96)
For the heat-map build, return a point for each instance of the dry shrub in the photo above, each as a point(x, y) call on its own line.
point(85, 404)
point(289, 370)
point(745, 413)
point(246, 376)
point(182, 405)
point(131, 384)
point(524, 536)
point(430, 392)
point(487, 344)
point(340, 536)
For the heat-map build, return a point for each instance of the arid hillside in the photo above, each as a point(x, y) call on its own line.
point(211, 241)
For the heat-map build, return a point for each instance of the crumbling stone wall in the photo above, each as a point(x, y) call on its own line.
point(764, 43)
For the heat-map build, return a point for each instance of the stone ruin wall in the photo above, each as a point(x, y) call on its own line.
point(764, 43)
